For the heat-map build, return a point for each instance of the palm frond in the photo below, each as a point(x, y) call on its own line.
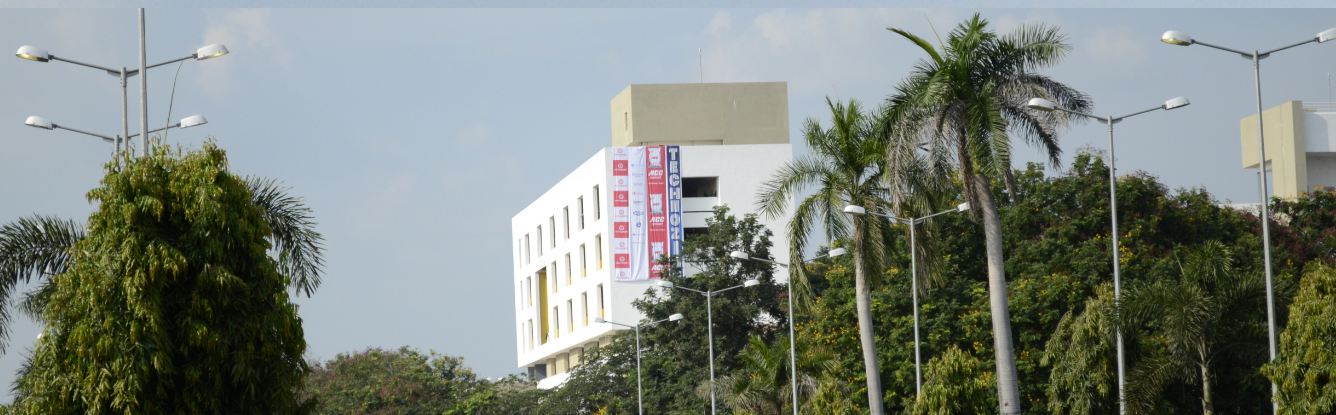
point(299, 247)
point(32, 247)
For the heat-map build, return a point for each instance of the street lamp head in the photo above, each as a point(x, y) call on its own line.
point(599, 320)
point(751, 283)
point(1176, 102)
point(836, 252)
point(39, 122)
point(1326, 35)
point(1174, 37)
point(855, 210)
point(193, 120)
point(664, 284)
point(1041, 104)
point(963, 207)
point(210, 52)
point(739, 255)
point(33, 53)
point(675, 317)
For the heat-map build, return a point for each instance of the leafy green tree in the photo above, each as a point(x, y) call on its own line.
point(404, 381)
point(169, 303)
point(1081, 354)
point(846, 167)
point(676, 358)
point(1310, 229)
point(956, 383)
point(1305, 369)
point(605, 384)
point(964, 99)
point(1192, 320)
point(37, 247)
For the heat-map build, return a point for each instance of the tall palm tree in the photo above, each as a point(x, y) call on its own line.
point(1192, 320)
point(37, 247)
point(963, 100)
point(846, 167)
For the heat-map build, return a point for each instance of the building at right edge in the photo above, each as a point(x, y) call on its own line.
point(1300, 147)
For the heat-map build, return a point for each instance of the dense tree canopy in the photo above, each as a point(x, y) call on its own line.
point(1305, 369)
point(170, 303)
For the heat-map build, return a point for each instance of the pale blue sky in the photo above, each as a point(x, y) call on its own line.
point(416, 134)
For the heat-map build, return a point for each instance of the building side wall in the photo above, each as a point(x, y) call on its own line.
point(1285, 147)
point(579, 285)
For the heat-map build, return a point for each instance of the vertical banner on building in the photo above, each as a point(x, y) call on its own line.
point(656, 190)
point(650, 191)
point(620, 244)
point(674, 200)
point(639, 244)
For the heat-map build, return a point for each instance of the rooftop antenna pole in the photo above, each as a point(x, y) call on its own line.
point(700, 63)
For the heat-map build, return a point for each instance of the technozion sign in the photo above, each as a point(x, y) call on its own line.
point(646, 210)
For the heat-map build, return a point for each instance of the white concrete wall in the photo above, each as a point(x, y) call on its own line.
point(1319, 134)
point(741, 169)
point(565, 194)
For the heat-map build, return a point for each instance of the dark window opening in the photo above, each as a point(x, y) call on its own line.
point(700, 187)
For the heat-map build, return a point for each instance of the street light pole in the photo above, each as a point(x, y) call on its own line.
point(1176, 38)
point(913, 283)
point(1041, 104)
point(211, 51)
point(793, 345)
point(709, 323)
point(143, 84)
point(640, 394)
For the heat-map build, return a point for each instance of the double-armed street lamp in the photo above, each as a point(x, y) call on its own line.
point(1174, 37)
point(1041, 104)
point(45, 124)
point(709, 321)
point(913, 271)
point(640, 392)
point(793, 349)
point(36, 54)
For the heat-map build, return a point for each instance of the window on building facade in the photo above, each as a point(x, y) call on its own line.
point(583, 268)
point(580, 211)
point(556, 322)
point(568, 269)
point(540, 241)
point(527, 259)
point(553, 267)
point(584, 309)
point(598, 251)
point(700, 187)
point(570, 316)
point(528, 291)
point(566, 220)
point(552, 226)
point(599, 292)
point(598, 204)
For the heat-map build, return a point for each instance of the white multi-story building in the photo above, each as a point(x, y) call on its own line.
point(733, 138)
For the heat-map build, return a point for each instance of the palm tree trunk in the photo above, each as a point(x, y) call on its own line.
point(865, 333)
point(1008, 388)
point(1207, 402)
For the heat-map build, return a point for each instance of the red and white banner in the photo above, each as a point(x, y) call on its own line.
point(642, 203)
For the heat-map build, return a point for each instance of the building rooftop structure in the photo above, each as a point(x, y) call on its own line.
point(1300, 146)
